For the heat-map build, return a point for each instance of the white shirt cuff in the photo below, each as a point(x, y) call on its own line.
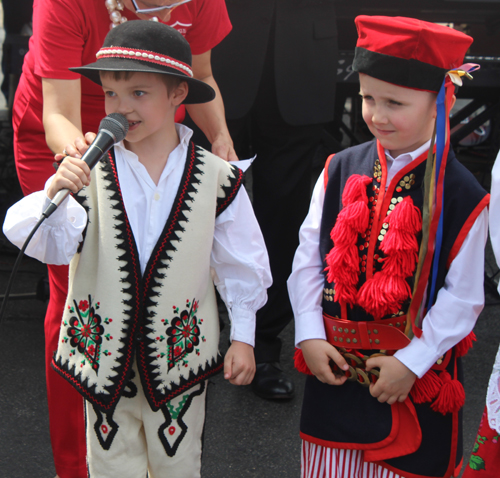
point(309, 326)
point(242, 325)
point(417, 357)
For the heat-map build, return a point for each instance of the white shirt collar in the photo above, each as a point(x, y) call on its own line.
point(394, 165)
point(175, 163)
point(176, 158)
point(413, 154)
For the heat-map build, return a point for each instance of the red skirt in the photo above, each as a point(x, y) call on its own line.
point(484, 461)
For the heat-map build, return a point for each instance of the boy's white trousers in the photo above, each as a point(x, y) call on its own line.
point(134, 440)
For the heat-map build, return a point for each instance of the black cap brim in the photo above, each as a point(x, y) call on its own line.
point(199, 92)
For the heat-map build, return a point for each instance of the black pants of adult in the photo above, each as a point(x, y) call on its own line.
point(281, 187)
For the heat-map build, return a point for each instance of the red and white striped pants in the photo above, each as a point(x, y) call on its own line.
point(322, 462)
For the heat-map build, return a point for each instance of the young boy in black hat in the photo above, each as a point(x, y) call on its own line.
point(153, 227)
point(387, 282)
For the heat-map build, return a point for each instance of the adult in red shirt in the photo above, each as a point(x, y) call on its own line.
point(53, 106)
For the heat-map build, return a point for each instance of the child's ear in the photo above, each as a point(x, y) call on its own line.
point(180, 93)
point(453, 99)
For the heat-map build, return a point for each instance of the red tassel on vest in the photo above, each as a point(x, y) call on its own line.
point(451, 397)
point(387, 290)
point(425, 389)
point(343, 260)
point(465, 344)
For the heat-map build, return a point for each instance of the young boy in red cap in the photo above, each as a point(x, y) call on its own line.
point(387, 282)
point(153, 227)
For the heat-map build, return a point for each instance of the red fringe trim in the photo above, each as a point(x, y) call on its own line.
point(352, 220)
point(387, 290)
point(400, 264)
point(451, 397)
point(343, 260)
point(300, 363)
point(465, 344)
point(426, 389)
point(382, 294)
point(355, 189)
point(406, 217)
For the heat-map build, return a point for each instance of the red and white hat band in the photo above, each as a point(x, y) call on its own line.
point(144, 55)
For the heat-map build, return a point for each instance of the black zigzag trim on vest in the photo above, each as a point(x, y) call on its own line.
point(155, 272)
point(235, 181)
point(130, 390)
point(81, 198)
point(211, 368)
point(129, 256)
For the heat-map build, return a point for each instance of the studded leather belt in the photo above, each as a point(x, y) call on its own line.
point(386, 334)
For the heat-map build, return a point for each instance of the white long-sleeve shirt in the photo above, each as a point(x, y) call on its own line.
point(458, 302)
point(239, 260)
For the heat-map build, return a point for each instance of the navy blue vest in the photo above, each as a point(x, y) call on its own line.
point(348, 414)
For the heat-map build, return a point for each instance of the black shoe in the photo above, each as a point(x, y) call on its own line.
point(271, 383)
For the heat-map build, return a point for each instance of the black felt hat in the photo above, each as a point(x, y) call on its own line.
point(149, 47)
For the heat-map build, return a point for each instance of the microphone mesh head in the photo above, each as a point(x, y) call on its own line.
point(115, 124)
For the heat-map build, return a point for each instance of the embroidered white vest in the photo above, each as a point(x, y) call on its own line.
point(168, 316)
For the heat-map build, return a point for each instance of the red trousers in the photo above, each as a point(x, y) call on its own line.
point(66, 405)
point(66, 411)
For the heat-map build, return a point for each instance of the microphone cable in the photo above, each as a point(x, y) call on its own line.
point(114, 128)
point(17, 264)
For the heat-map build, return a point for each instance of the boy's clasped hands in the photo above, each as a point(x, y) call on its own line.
point(393, 385)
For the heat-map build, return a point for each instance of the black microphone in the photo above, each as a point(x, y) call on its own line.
point(112, 129)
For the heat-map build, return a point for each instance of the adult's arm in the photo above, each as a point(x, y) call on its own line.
point(210, 117)
point(61, 114)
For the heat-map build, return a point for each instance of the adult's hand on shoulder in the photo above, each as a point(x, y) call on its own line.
point(223, 147)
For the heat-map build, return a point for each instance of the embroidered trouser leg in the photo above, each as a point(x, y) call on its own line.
point(134, 440)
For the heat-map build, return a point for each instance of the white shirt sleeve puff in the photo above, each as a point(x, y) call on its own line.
point(240, 266)
point(58, 237)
